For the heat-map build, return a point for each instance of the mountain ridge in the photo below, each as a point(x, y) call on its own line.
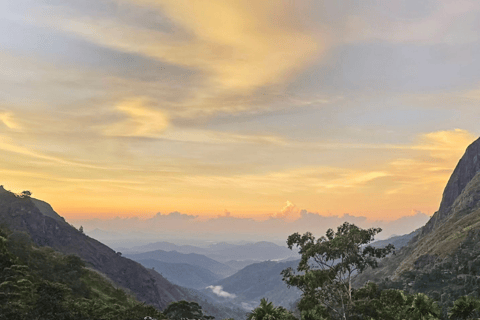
point(465, 170)
point(445, 250)
point(20, 214)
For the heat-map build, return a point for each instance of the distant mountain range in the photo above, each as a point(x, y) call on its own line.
point(441, 259)
point(183, 274)
point(47, 228)
point(192, 259)
point(223, 252)
point(261, 280)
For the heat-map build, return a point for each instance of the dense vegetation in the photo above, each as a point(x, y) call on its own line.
point(328, 264)
point(40, 283)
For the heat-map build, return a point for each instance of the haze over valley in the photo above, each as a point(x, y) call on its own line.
point(239, 159)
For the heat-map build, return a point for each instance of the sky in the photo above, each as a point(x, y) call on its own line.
point(241, 108)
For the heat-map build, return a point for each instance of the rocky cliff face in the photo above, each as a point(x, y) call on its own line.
point(465, 171)
point(444, 235)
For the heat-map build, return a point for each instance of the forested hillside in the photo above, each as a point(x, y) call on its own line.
point(40, 283)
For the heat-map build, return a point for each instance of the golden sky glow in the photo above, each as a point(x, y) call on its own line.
point(259, 108)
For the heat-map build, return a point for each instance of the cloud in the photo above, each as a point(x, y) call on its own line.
point(235, 47)
point(175, 226)
point(173, 216)
point(242, 44)
point(444, 143)
point(8, 120)
point(142, 121)
point(289, 212)
point(218, 290)
point(415, 22)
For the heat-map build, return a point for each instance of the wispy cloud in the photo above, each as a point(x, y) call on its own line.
point(8, 120)
point(238, 46)
point(142, 121)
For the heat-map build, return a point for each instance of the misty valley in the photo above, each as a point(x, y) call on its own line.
point(53, 270)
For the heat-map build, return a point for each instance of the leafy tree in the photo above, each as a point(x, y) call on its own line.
point(465, 307)
point(185, 310)
point(267, 311)
point(392, 304)
point(327, 268)
point(424, 308)
point(26, 194)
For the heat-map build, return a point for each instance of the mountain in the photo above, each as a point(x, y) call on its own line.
point(35, 281)
point(239, 264)
point(182, 274)
point(466, 169)
point(223, 252)
point(398, 241)
point(443, 259)
point(165, 246)
point(193, 259)
point(46, 228)
point(260, 251)
point(261, 280)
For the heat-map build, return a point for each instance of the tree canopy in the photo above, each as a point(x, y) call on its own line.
point(327, 267)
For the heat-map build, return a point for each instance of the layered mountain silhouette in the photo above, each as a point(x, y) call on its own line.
point(183, 274)
point(193, 259)
point(223, 252)
point(47, 228)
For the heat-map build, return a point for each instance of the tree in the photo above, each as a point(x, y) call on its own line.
point(392, 304)
point(267, 311)
point(327, 268)
point(464, 308)
point(423, 308)
point(26, 194)
point(185, 310)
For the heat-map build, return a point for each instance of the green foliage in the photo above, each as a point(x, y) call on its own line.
point(39, 283)
point(327, 268)
point(267, 311)
point(392, 304)
point(465, 307)
point(185, 310)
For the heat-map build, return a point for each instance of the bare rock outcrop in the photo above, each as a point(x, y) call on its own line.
point(466, 169)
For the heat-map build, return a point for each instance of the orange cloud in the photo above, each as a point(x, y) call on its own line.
point(289, 212)
point(8, 120)
point(141, 121)
point(237, 46)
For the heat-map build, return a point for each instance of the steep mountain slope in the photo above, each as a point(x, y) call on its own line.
point(445, 253)
point(22, 214)
point(192, 259)
point(183, 274)
point(398, 241)
point(40, 283)
point(464, 172)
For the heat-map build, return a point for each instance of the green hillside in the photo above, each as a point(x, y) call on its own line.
point(443, 260)
point(40, 283)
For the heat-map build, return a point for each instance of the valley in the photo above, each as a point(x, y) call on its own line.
point(228, 280)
